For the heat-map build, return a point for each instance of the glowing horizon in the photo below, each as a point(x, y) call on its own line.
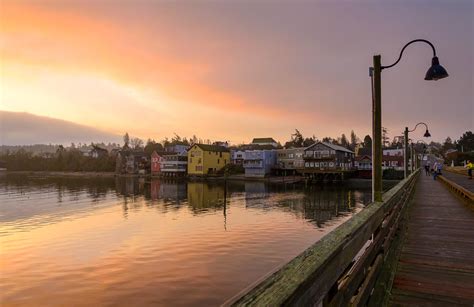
point(158, 69)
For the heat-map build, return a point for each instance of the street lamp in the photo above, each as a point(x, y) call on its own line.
point(426, 135)
point(435, 72)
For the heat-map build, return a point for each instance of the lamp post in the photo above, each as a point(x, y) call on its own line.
point(426, 135)
point(435, 72)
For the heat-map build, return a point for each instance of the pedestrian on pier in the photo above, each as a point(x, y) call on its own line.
point(427, 169)
point(436, 169)
point(470, 167)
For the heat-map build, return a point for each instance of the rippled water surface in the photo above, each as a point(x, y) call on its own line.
point(107, 241)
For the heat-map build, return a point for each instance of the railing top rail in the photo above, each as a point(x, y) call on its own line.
point(323, 262)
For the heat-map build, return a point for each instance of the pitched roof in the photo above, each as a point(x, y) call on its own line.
point(217, 148)
point(332, 146)
point(263, 140)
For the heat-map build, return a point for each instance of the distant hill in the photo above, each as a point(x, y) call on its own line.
point(25, 128)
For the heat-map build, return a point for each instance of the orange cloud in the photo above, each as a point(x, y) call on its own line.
point(61, 40)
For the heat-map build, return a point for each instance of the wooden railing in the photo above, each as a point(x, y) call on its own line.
point(341, 268)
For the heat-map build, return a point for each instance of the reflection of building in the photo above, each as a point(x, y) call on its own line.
point(155, 189)
point(327, 156)
point(173, 190)
point(259, 163)
point(130, 186)
point(290, 160)
point(174, 165)
point(254, 192)
point(207, 159)
point(203, 195)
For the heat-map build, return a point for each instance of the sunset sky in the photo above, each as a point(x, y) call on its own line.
point(234, 70)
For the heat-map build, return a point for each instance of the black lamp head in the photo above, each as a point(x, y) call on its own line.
point(427, 134)
point(436, 71)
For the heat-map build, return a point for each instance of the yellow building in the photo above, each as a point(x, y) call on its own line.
point(207, 159)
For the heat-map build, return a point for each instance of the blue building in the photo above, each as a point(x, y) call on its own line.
point(259, 163)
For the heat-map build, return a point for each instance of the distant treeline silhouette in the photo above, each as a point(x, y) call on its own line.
point(62, 160)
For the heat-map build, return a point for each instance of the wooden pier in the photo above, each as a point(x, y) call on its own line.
point(436, 263)
point(415, 248)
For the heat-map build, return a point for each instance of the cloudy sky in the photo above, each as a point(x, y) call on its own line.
point(233, 70)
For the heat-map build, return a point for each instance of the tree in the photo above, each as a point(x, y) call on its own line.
point(354, 140)
point(466, 142)
point(327, 139)
point(126, 140)
point(296, 140)
point(344, 142)
point(309, 141)
point(367, 142)
point(448, 144)
point(151, 146)
point(136, 143)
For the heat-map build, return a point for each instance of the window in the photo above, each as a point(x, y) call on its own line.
point(311, 164)
point(316, 164)
point(199, 161)
point(306, 164)
point(331, 164)
point(225, 161)
point(190, 160)
point(218, 161)
point(220, 154)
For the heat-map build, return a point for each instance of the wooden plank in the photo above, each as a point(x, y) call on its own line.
point(436, 264)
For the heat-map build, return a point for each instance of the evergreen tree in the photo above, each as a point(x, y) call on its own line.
point(126, 140)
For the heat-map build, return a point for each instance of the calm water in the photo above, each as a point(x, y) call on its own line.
point(107, 241)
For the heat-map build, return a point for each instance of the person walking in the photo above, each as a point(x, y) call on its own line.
point(470, 167)
point(427, 170)
point(435, 170)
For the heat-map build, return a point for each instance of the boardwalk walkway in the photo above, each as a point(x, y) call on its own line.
point(436, 265)
point(462, 180)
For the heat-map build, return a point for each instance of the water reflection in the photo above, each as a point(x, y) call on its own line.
point(131, 236)
point(317, 204)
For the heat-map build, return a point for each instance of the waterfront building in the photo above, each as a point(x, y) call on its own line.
point(156, 159)
point(174, 165)
point(131, 162)
point(179, 148)
point(259, 163)
point(324, 156)
point(393, 151)
point(289, 160)
point(364, 164)
point(237, 156)
point(207, 159)
point(264, 142)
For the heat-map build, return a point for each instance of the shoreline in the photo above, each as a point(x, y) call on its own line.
point(236, 177)
point(61, 174)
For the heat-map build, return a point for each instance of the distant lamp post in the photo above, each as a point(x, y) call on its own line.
point(426, 135)
point(435, 72)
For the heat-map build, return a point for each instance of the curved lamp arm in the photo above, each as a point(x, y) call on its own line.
point(403, 49)
point(421, 123)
